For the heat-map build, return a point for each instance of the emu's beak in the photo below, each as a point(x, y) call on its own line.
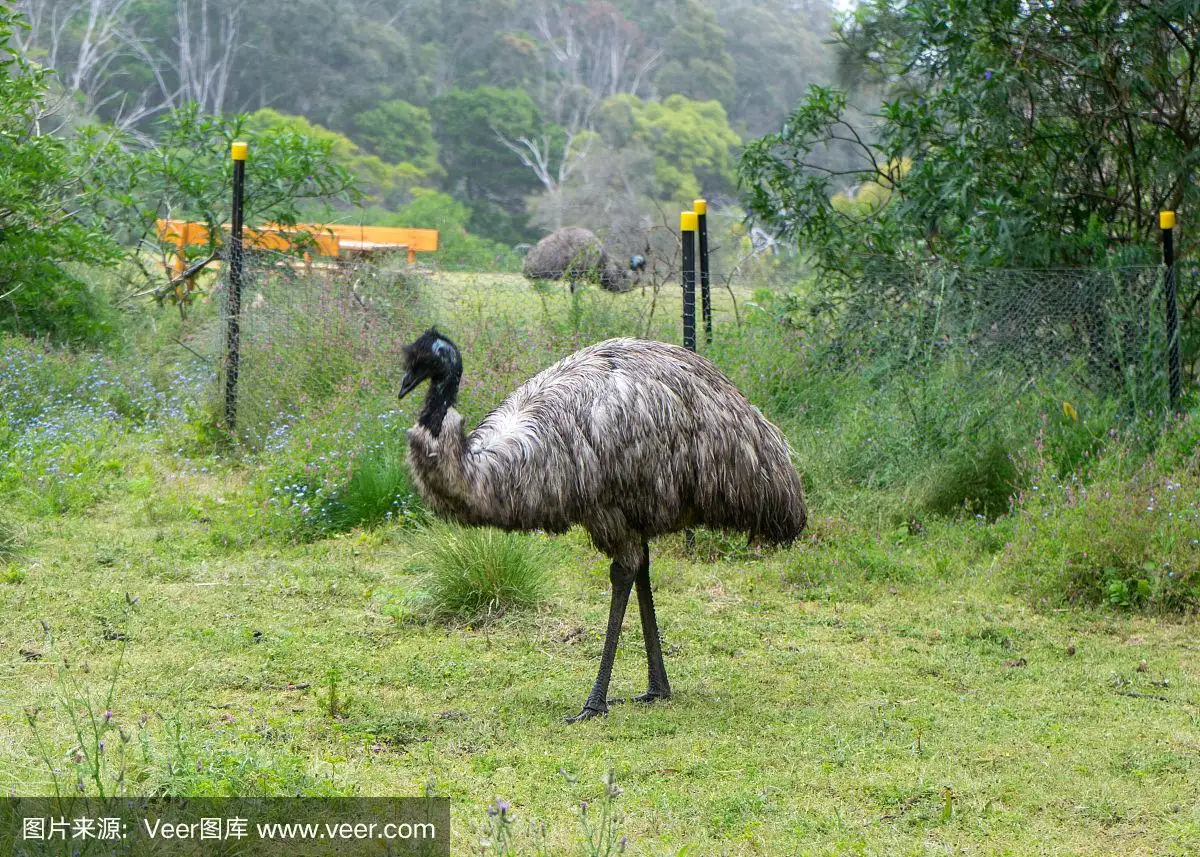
point(410, 382)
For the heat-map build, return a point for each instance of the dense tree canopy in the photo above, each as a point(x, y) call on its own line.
point(1011, 133)
point(41, 185)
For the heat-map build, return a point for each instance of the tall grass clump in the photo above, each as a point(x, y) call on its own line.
point(10, 543)
point(377, 491)
point(469, 574)
point(339, 467)
point(1128, 539)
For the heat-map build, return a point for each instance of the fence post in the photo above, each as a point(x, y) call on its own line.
point(233, 322)
point(1166, 221)
point(687, 234)
point(700, 206)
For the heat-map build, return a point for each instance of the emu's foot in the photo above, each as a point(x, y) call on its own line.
point(587, 714)
point(652, 696)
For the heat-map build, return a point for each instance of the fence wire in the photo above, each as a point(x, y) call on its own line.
point(313, 331)
point(309, 331)
point(1097, 331)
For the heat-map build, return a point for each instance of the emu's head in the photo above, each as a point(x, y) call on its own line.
point(431, 356)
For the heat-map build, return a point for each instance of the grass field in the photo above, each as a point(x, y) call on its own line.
point(874, 689)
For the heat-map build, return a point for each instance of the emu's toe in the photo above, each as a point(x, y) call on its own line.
point(587, 714)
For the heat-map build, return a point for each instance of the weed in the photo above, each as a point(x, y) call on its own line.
point(10, 542)
point(599, 822)
point(1127, 540)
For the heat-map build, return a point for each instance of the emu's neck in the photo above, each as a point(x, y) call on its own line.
point(443, 392)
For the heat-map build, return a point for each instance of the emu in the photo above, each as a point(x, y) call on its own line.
point(629, 439)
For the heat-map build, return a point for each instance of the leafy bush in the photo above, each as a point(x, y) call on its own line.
point(42, 188)
point(979, 479)
point(1127, 540)
point(475, 573)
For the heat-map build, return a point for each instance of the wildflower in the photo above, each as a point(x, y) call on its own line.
point(987, 75)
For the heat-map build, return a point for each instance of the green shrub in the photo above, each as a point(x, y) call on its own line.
point(379, 490)
point(979, 480)
point(1128, 540)
point(471, 574)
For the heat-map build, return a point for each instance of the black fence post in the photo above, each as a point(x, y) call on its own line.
point(1166, 221)
point(700, 206)
point(687, 234)
point(233, 332)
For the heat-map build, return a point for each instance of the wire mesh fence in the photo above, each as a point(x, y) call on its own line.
point(1099, 330)
point(314, 331)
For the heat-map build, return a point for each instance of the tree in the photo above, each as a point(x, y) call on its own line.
point(399, 132)
point(186, 173)
point(691, 141)
point(375, 180)
point(778, 51)
point(1036, 133)
point(471, 126)
point(41, 190)
point(695, 61)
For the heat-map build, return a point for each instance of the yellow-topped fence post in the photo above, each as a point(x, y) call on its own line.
point(233, 306)
point(1166, 222)
point(687, 235)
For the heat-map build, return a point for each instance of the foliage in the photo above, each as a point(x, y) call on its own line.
point(472, 574)
point(692, 143)
point(695, 62)
point(480, 170)
point(41, 188)
point(375, 178)
point(71, 424)
point(186, 173)
point(377, 491)
point(778, 51)
point(1127, 539)
point(1057, 155)
point(399, 132)
point(458, 249)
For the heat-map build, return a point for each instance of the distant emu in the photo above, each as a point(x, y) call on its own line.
point(630, 439)
point(575, 255)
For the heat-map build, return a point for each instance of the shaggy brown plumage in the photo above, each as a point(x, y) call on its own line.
point(575, 254)
point(629, 439)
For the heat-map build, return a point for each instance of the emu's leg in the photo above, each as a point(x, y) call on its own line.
point(621, 575)
point(659, 688)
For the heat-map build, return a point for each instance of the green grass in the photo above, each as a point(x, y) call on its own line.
point(827, 697)
point(897, 682)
